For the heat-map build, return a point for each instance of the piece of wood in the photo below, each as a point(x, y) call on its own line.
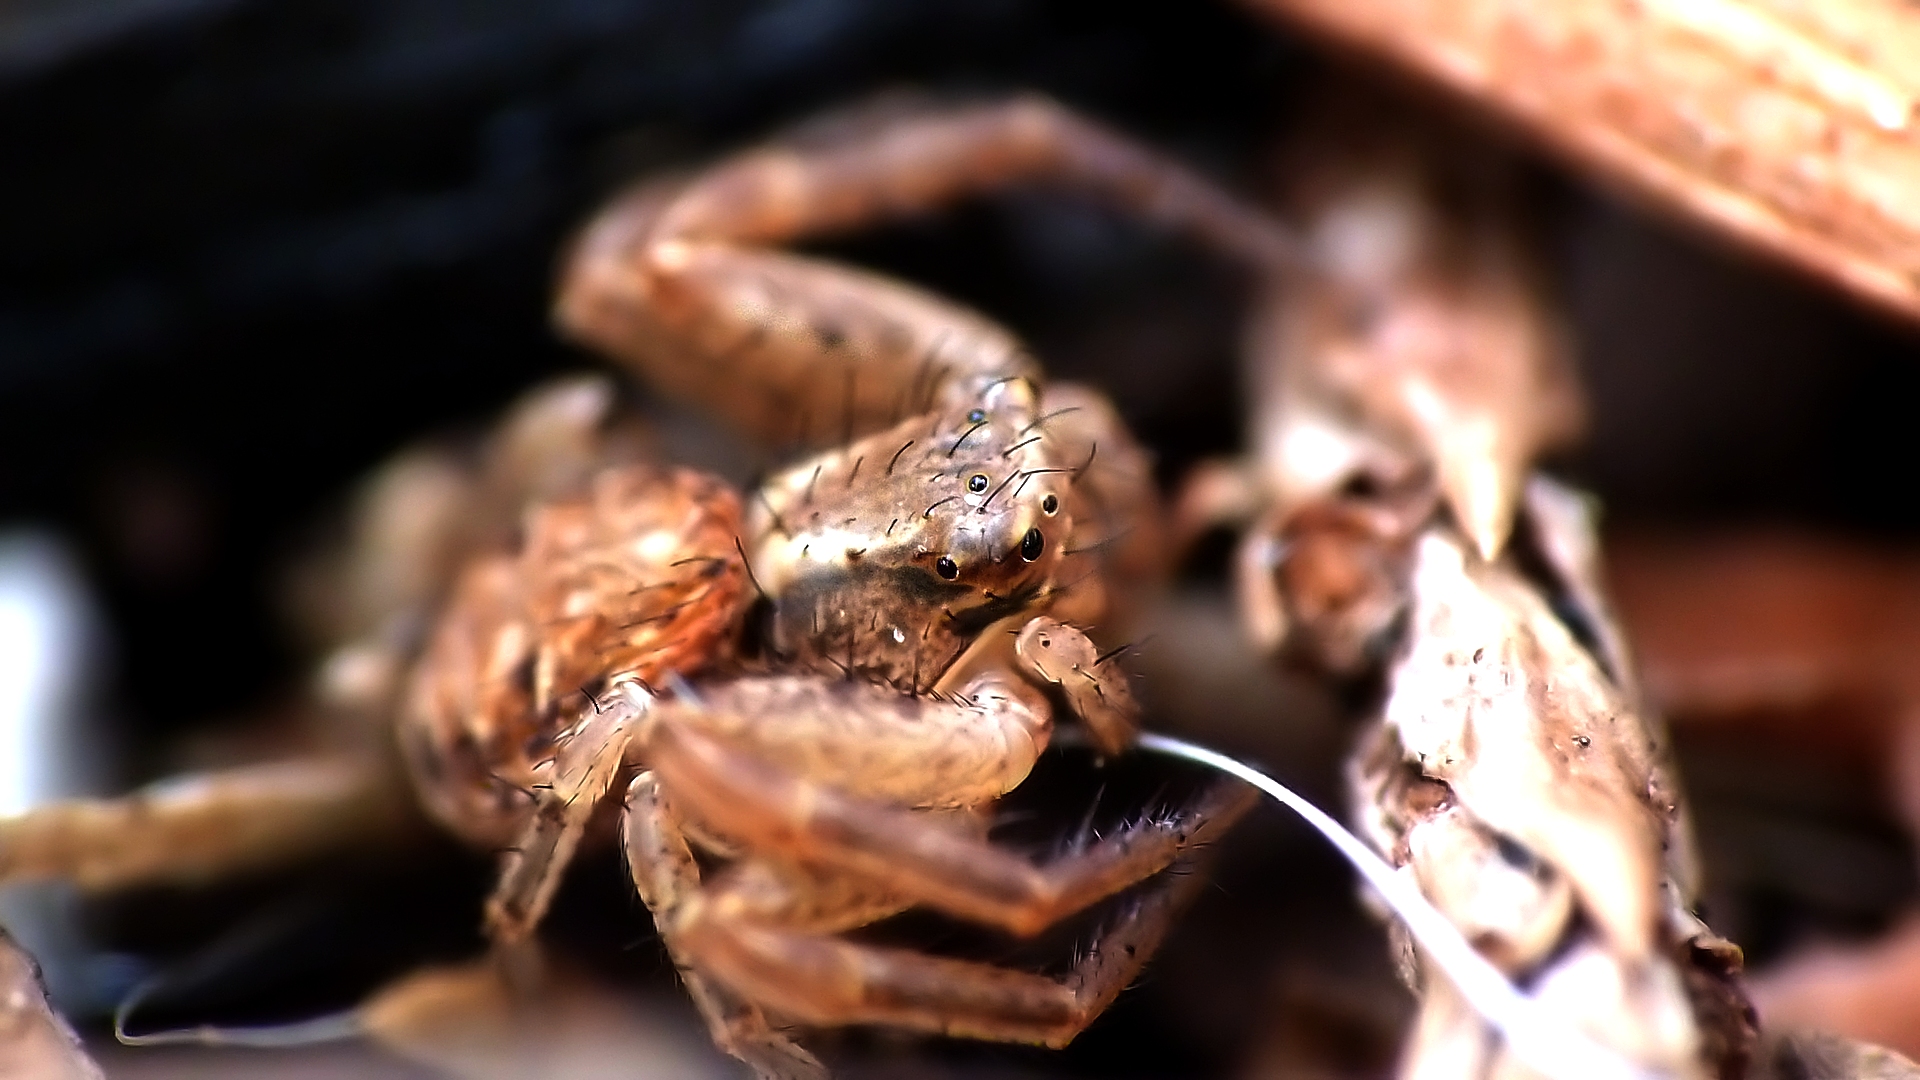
point(1786, 125)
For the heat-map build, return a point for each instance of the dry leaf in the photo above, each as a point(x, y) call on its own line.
point(1521, 788)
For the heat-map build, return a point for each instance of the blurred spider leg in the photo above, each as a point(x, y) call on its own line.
point(828, 981)
point(886, 167)
point(680, 284)
point(760, 336)
point(666, 876)
point(207, 826)
point(910, 854)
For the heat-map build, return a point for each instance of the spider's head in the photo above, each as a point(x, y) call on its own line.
point(889, 556)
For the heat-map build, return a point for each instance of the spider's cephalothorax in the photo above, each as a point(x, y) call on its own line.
point(887, 558)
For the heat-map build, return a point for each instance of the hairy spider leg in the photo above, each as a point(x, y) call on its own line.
point(680, 283)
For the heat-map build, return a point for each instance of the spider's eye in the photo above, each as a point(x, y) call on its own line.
point(1049, 504)
point(976, 416)
point(946, 568)
point(1032, 545)
point(977, 483)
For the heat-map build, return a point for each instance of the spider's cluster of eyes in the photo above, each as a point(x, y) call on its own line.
point(1032, 545)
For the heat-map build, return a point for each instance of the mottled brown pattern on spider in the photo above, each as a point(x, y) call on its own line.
point(640, 577)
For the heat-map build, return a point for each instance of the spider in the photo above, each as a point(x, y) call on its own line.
point(825, 686)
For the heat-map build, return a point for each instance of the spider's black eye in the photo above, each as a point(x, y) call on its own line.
point(1049, 504)
point(977, 483)
point(946, 569)
point(1032, 545)
point(976, 416)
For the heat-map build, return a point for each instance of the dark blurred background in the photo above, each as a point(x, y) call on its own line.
point(250, 247)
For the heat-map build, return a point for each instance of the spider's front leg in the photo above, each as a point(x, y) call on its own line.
point(852, 790)
point(680, 282)
point(911, 854)
point(845, 830)
point(850, 736)
point(758, 937)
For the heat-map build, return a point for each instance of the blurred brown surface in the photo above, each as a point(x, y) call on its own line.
point(1828, 1057)
point(1785, 635)
point(35, 1043)
point(197, 1063)
point(1791, 655)
point(1727, 621)
point(1869, 990)
point(1784, 125)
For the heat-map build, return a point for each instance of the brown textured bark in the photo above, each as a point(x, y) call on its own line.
point(1788, 125)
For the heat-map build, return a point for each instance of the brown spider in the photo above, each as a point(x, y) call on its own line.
point(872, 651)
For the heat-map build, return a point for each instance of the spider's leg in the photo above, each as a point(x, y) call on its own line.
point(666, 876)
point(207, 826)
point(588, 761)
point(824, 980)
point(678, 282)
point(911, 854)
point(842, 732)
point(789, 349)
point(888, 166)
